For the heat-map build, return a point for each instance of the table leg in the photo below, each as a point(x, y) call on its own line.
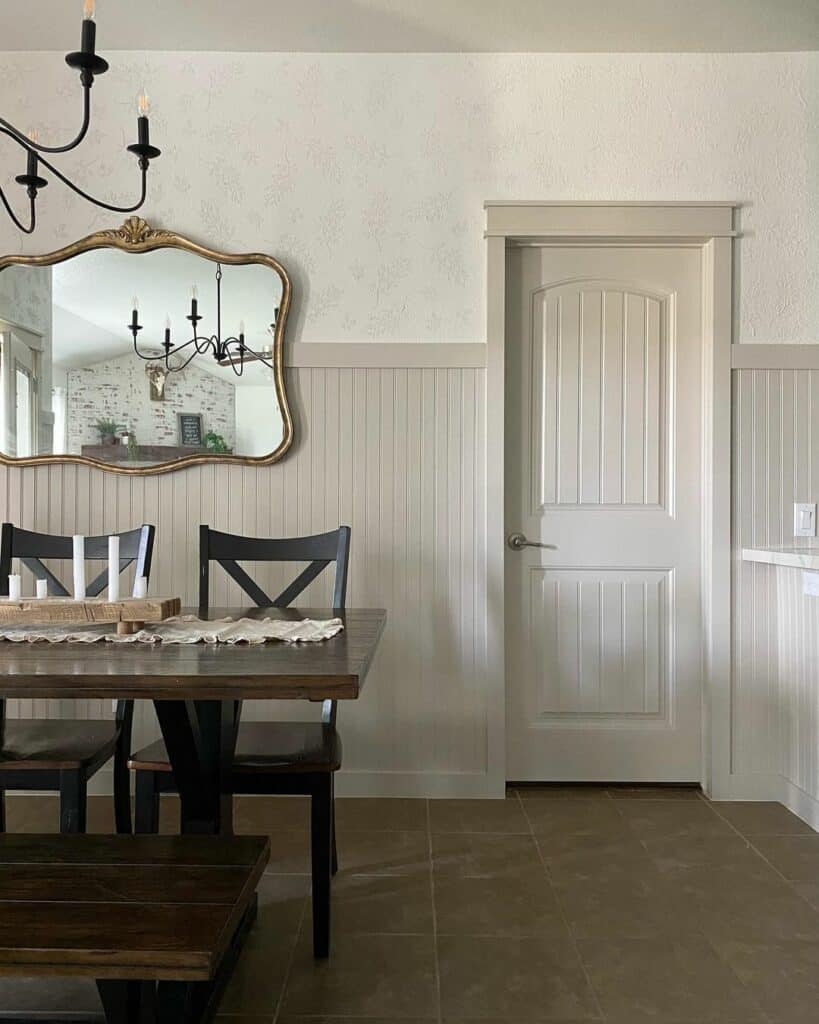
point(200, 737)
point(128, 1002)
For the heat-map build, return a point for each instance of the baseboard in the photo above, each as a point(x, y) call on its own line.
point(748, 786)
point(802, 804)
point(432, 785)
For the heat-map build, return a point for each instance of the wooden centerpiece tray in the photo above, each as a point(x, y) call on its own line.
point(129, 614)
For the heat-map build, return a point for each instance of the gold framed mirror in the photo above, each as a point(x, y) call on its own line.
point(79, 384)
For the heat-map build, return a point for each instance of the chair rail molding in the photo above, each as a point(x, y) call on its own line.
point(711, 227)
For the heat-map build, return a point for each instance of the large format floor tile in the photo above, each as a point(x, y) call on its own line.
point(654, 819)
point(795, 857)
point(370, 976)
point(630, 907)
point(382, 904)
point(383, 853)
point(762, 818)
point(624, 905)
point(782, 977)
point(670, 979)
point(380, 815)
point(605, 859)
point(477, 854)
point(503, 816)
point(518, 979)
point(514, 905)
point(599, 818)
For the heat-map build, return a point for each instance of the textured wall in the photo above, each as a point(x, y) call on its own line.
point(119, 390)
point(366, 173)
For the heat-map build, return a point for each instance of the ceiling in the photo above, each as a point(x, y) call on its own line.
point(420, 26)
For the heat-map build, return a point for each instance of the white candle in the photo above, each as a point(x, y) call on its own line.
point(79, 567)
point(113, 568)
point(140, 587)
point(42, 588)
point(15, 587)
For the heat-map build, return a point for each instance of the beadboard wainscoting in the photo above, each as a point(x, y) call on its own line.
point(398, 452)
point(775, 698)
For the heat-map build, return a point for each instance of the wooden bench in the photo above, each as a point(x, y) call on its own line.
point(157, 921)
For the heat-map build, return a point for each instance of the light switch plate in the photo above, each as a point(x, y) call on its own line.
point(810, 583)
point(804, 519)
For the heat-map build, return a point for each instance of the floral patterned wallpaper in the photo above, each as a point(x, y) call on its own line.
point(366, 174)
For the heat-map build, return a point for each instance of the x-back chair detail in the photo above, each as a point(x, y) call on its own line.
point(271, 757)
point(61, 755)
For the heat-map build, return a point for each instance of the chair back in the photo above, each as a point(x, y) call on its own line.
point(320, 550)
point(31, 548)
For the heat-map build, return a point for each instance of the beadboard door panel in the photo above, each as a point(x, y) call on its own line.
point(398, 454)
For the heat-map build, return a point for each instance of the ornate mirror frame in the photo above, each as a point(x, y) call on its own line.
point(137, 236)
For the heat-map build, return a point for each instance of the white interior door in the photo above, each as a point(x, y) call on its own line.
point(604, 638)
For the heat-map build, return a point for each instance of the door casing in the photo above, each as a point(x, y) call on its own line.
point(710, 227)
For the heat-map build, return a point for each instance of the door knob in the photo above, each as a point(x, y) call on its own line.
point(518, 541)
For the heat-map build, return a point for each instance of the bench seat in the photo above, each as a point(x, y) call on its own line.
point(125, 908)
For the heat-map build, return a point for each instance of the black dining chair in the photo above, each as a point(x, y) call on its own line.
point(61, 755)
point(271, 757)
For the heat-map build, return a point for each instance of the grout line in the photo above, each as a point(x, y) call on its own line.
point(559, 904)
point(290, 959)
point(791, 883)
point(434, 920)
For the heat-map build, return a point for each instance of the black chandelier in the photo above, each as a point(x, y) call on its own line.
point(89, 64)
point(233, 351)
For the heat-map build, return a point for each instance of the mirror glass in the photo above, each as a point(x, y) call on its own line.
point(70, 379)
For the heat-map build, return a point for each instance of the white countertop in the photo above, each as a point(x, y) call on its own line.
point(796, 558)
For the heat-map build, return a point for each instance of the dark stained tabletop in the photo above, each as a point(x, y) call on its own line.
point(334, 668)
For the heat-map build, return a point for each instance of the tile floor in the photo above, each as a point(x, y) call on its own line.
point(558, 904)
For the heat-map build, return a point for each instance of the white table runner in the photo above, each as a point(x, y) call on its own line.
point(184, 629)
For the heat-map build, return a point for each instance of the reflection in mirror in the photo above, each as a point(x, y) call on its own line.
point(72, 383)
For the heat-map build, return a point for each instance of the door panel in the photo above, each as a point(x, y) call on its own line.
point(603, 434)
point(599, 396)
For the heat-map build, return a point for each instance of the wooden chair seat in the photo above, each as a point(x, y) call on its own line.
point(56, 745)
point(157, 921)
point(266, 747)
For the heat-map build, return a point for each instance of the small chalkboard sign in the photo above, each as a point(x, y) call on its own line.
point(190, 429)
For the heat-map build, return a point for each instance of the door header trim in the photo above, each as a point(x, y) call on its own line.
point(522, 222)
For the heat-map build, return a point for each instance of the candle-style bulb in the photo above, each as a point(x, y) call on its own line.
point(194, 292)
point(167, 323)
point(88, 10)
point(143, 104)
point(135, 303)
point(241, 327)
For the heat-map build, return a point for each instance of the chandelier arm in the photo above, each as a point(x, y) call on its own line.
point(229, 354)
point(99, 202)
point(8, 129)
point(26, 230)
point(260, 356)
point(177, 369)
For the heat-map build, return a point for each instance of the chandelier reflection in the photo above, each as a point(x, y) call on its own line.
point(232, 351)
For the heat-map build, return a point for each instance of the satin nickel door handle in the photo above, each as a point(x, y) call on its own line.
point(518, 541)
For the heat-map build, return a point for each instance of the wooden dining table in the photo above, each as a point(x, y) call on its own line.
point(197, 689)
